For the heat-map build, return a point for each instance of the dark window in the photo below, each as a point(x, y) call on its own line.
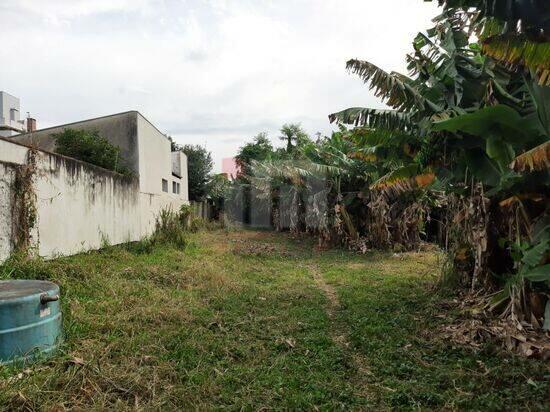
point(174, 187)
point(178, 188)
point(165, 185)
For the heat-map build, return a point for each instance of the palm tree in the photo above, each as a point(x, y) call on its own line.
point(292, 132)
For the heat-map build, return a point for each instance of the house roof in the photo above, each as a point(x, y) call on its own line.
point(96, 118)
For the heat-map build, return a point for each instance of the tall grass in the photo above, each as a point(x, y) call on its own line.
point(169, 229)
point(172, 228)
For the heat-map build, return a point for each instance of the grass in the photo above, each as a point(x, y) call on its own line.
point(237, 321)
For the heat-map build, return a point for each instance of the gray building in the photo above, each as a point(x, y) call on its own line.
point(10, 117)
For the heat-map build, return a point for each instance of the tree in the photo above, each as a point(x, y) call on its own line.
point(90, 147)
point(514, 32)
point(293, 132)
point(199, 166)
point(259, 149)
point(218, 187)
point(478, 131)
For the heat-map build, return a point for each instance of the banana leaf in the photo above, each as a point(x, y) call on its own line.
point(538, 274)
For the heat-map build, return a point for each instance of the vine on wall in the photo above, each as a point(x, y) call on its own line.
point(24, 204)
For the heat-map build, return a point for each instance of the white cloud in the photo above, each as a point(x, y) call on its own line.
point(212, 71)
point(58, 10)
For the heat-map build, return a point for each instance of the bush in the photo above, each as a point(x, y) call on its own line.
point(185, 215)
point(169, 229)
point(141, 247)
point(90, 147)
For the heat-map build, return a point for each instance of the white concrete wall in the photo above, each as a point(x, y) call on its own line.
point(184, 177)
point(154, 166)
point(80, 205)
point(154, 149)
point(179, 167)
point(12, 153)
point(11, 156)
point(7, 176)
point(176, 163)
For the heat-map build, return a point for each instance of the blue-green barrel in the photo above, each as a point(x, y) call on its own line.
point(30, 320)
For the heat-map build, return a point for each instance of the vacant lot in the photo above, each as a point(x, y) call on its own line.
point(255, 320)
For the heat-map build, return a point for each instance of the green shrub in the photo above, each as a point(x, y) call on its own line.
point(141, 247)
point(90, 147)
point(197, 224)
point(169, 229)
point(185, 215)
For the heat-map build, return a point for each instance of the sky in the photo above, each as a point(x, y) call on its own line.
point(208, 72)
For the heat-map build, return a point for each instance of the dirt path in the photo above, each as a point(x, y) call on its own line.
point(339, 333)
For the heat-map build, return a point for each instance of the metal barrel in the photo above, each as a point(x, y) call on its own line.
point(30, 320)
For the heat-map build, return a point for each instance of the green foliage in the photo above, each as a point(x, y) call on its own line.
point(219, 188)
point(328, 182)
point(218, 185)
point(185, 214)
point(396, 320)
point(199, 166)
point(25, 212)
point(375, 118)
point(170, 229)
point(293, 135)
point(466, 121)
point(90, 147)
point(514, 32)
point(259, 149)
point(21, 266)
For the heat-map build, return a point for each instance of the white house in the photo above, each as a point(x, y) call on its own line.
point(10, 123)
point(79, 206)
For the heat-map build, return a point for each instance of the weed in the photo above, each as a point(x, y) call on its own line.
point(143, 246)
point(169, 229)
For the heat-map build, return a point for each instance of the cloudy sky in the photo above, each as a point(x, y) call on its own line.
point(210, 72)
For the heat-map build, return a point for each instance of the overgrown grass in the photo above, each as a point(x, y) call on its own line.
point(235, 320)
point(179, 328)
point(395, 315)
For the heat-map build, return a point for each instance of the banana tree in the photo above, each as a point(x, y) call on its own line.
point(514, 32)
point(478, 129)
